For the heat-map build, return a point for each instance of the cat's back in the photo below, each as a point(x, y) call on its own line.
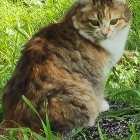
point(54, 33)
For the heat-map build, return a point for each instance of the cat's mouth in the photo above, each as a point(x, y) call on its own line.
point(100, 38)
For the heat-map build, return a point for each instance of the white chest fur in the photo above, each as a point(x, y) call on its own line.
point(115, 47)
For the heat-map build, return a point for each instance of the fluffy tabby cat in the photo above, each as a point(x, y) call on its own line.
point(66, 64)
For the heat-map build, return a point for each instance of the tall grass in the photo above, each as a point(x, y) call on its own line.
point(133, 42)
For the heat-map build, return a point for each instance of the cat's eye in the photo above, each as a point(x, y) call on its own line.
point(114, 21)
point(95, 22)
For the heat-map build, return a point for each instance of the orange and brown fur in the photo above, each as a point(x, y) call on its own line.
point(65, 65)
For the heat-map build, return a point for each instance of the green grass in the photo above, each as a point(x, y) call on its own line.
point(19, 22)
point(133, 42)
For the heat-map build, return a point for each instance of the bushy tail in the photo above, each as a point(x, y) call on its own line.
point(4, 128)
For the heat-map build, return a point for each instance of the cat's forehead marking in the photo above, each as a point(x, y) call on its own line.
point(107, 12)
point(102, 2)
point(87, 8)
point(102, 11)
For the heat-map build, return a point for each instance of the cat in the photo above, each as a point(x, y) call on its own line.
point(66, 65)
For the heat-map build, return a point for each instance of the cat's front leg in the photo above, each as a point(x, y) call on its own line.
point(104, 105)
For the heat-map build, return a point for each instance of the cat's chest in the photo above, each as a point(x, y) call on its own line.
point(115, 47)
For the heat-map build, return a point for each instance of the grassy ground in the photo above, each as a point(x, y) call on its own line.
point(19, 21)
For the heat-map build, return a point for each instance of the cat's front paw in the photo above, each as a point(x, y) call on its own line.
point(104, 106)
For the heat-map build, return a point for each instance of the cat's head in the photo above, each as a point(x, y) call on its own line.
point(101, 19)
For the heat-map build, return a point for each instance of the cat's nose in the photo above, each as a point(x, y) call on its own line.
point(104, 34)
point(105, 31)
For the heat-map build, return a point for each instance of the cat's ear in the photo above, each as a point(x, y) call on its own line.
point(123, 1)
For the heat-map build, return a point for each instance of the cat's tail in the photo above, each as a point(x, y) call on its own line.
point(4, 128)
